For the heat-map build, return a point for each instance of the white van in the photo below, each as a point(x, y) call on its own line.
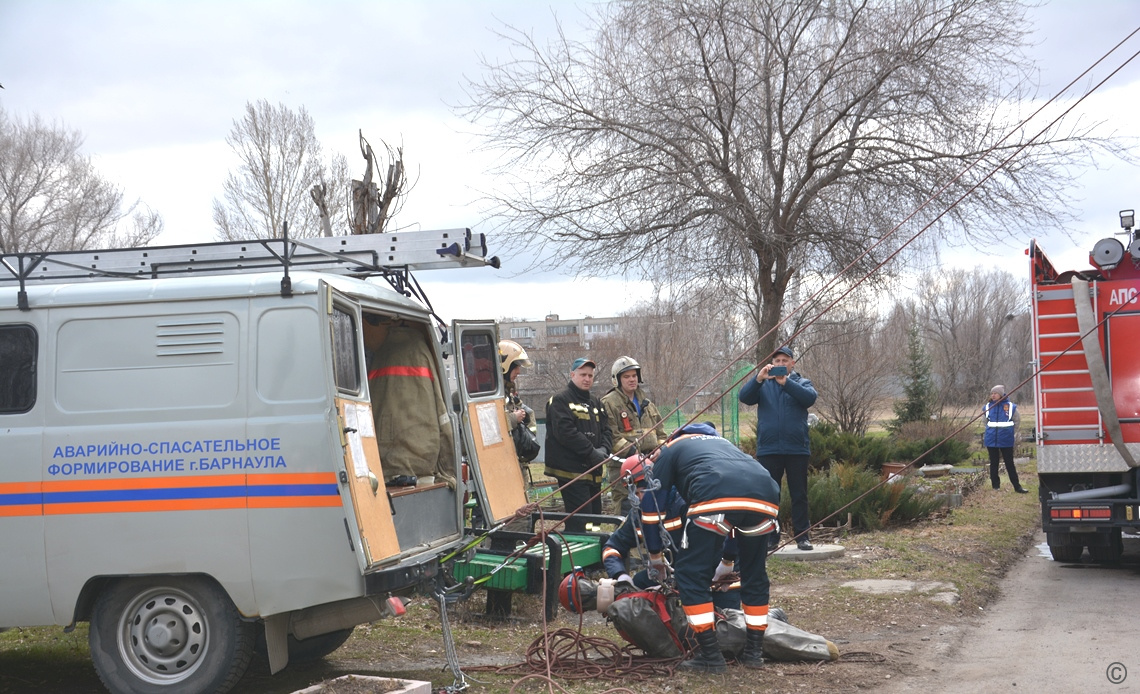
point(189, 453)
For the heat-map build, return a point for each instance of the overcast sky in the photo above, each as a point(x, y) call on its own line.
point(155, 87)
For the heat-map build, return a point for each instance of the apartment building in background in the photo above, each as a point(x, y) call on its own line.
point(555, 333)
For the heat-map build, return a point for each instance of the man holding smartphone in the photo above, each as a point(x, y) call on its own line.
point(782, 398)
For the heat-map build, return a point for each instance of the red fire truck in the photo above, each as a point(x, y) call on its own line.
point(1086, 333)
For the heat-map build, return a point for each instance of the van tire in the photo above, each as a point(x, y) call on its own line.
point(304, 650)
point(196, 642)
point(316, 647)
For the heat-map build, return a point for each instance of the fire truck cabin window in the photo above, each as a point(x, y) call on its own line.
point(480, 363)
point(17, 368)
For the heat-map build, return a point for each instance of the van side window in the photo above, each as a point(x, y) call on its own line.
point(480, 363)
point(346, 361)
point(17, 368)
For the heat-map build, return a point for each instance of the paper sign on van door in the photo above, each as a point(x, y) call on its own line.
point(358, 422)
point(488, 414)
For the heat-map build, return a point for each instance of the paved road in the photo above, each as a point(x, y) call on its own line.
point(1054, 628)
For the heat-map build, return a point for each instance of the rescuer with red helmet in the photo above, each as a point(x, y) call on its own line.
point(615, 553)
point(729, 494)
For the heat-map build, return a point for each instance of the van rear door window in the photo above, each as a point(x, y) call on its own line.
point(480, 363)
point(17, 368)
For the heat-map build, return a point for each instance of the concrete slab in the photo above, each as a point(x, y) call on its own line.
point(386, 684)
point(884, 586)
point(821, 552)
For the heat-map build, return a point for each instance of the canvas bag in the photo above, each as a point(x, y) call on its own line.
point(653, 622)
point(782, 641)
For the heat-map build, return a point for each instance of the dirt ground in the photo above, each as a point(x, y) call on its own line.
point(880, 636)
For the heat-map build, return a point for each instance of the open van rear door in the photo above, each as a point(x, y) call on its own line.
point(498, 477)
point(373, 514)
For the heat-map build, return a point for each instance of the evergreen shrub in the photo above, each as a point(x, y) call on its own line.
point(831, 490)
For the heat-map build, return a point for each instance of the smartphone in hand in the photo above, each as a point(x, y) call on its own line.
point(778, 371)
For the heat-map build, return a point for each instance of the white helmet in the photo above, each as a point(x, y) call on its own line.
point(511, 352)
point(621, 365)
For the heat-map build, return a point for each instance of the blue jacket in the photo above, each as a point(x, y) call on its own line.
point(1001, 424)
point(781, 414)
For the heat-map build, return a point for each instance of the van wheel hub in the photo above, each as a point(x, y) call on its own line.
point(166, 635)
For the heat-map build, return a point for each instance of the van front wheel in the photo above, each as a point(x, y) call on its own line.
point(167, 634)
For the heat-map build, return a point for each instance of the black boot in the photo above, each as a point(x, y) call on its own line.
point(707, 657)
point(753, 655)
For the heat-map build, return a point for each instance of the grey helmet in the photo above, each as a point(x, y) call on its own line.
point(621, 365)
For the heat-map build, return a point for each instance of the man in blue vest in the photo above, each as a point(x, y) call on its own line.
point(1002, 419)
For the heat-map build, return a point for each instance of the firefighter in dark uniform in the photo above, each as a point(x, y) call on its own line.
point(577, 440)
point(615, 553)
point(729, 493)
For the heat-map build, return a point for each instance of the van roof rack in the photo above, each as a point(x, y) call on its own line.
point(392, 255)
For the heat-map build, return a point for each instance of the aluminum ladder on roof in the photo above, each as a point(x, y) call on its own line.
point(391, 255)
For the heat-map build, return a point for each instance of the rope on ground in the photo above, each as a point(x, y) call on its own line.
point(570, 655)
point(861, 657)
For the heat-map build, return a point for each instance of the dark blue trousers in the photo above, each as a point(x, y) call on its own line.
point(796, 467)
point(696, 565)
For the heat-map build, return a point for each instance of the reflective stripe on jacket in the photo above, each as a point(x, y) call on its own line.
point(617, 404)
point(576, 427)
point(1001, 424)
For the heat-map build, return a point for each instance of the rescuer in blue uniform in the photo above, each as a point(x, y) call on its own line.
point(729, 493)
point(1002, 419)
point(615, 553)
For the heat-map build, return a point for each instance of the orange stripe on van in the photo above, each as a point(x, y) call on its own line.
point(294, 502)
point(292, 478)
point(22, 510)
point(19, 487)
point(146, 483)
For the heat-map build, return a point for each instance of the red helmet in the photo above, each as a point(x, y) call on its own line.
point(634, 467)
point(570, 591)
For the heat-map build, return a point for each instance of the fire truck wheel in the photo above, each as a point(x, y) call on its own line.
point(1065, 548)
point(1111, 550)
point(169, 634)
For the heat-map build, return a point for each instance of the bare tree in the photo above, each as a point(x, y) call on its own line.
point(374, 207)
point(281, 162)
point(680, 345)
point(52, 199)
point(842, 354)
point(740, 142)
point(977, 331)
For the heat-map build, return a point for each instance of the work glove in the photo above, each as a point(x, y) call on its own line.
point(600, 454)
point(658, 569)
point(722, 570)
